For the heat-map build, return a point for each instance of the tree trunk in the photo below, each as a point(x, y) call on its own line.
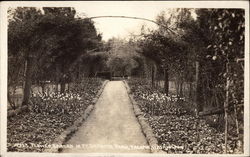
point(78, 72)
point(57, 78)
point(197, 89)
point(24, 73)
point(57, 87)
point(226, 106)
point(153, 76)
point(197, 98)
point(62, 87)
point(63, 83)
point(43, 87)
point(68, 89)
point(166, 81)
point(12, 103)
point(175, 83)
point(190, 90)
point(181, 89)
point(28, 82)
point(236, 123)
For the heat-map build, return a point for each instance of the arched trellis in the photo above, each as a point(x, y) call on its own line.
point(161, 25)
point(136, 18)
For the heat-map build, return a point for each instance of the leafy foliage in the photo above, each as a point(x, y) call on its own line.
point(214, 38)
point(44, 43)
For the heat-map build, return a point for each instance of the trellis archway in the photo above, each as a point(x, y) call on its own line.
point(167, 29)
point(136, 18)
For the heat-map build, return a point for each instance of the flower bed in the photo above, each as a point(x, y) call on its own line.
point(173, 123)
point(49, 114)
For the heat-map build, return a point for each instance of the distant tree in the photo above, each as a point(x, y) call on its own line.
point(121, 57)
point(73, 37)
point(23, 45)
point(166, 47)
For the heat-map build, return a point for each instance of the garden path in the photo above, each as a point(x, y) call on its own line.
point(111, 126)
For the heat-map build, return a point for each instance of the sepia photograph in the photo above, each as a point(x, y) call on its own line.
point(125, 77)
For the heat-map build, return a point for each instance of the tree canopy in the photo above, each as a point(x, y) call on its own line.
point(49, 40)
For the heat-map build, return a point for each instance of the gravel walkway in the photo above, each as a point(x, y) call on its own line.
point(111, 127)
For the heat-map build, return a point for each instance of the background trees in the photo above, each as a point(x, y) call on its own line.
point(122, 57)
point(204, 47)
point(22, 40)
point(49, 40)
point(166, 47)
point(225, 54)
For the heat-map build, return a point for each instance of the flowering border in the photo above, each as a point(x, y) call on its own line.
point(65, 135)
point(145, 127)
